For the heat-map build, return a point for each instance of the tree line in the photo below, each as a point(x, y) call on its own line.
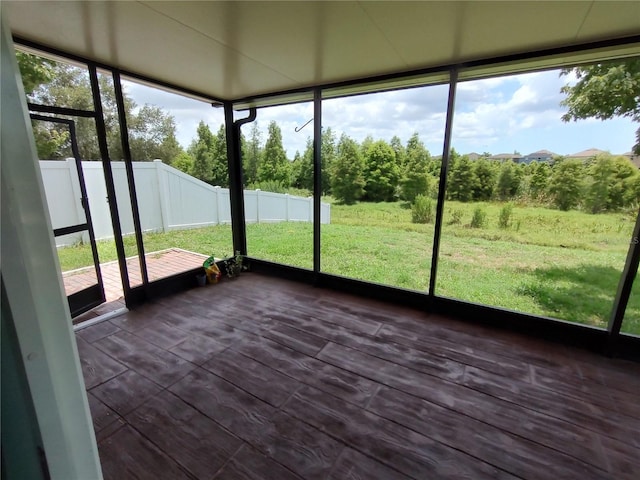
point(152, 131)
point(372, 170)
point(381, 171)
point(599, 184)
point(377, 170)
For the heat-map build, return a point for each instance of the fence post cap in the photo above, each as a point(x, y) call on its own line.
point(157, 160)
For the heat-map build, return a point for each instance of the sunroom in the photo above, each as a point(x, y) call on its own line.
point(407, 307)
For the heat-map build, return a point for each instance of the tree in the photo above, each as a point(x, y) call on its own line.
point(622, 192)
point(508, 180)
point(151, 130)
point(381, 172)
point(274, 166)
point(566, 184)
point(305, 175)
point(328, 155)
point(35, 71)
point(305, 170)
point(202, 152)
point(251, 154)
point(611, 184)
point(433, 167)
point(51, 141)
point(415, 179)
point(462, 180)
point(219, 163)
point(605, 90)
point(485, 173)
point(366, 143)
point(398, 148)
point(183, 162)
point(152, 135)
point(601, 173)
point(539, 180)
point(634, 190)
point(52, 83)
point(347, 176)
point(296, 168)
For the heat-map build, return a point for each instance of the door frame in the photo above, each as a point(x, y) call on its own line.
point(92, 296)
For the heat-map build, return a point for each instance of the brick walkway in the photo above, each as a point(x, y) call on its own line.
point(159, 265)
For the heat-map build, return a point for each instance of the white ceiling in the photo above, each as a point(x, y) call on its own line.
point(232, 50)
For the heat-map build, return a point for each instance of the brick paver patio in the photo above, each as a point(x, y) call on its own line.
point(159, 265)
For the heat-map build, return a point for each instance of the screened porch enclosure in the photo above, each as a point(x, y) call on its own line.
point(169, 221)
point(413, 305)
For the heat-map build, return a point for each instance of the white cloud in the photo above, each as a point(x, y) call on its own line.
point(497, 112)
point(518, 112)
point(186, 111)
point(384, 115)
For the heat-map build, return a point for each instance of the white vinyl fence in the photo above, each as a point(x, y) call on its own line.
point(168, 199)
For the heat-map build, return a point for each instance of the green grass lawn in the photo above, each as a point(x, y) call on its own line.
point(564, 265)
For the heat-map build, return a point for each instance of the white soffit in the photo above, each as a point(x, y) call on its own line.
point(233, 50)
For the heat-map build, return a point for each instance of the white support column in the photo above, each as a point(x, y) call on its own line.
point(35, 294)
point(287, 201)
point(257, 205)
point(163, 191)
point(218, 206)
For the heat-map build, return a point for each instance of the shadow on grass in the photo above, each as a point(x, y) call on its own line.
point(582, 294)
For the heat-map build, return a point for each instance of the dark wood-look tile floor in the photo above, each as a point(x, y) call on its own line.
point(262, 378)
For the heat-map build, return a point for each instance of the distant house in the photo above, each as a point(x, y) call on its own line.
point(503, 157)
point(539, 156)
point(586, 154)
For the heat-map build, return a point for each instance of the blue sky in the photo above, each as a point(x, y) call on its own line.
point(498, 115)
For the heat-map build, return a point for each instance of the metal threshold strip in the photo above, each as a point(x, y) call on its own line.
point(101, 318)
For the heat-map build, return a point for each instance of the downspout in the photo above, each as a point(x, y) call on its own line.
point(317, 180)
point(236, 181)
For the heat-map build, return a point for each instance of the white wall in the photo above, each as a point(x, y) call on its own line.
point(268, 207)
point(168, 199)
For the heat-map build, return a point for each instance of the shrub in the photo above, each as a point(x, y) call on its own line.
point(347, 172)
point(422, 210)
point(479, 219)
point(381, 173)
point(299, 192)
point(504, 221)
point(273, 186)
point(566, 184)
point(456, 217)
point(486, 173)
point(508, 181)
point(415, 183)
point(462, 179)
